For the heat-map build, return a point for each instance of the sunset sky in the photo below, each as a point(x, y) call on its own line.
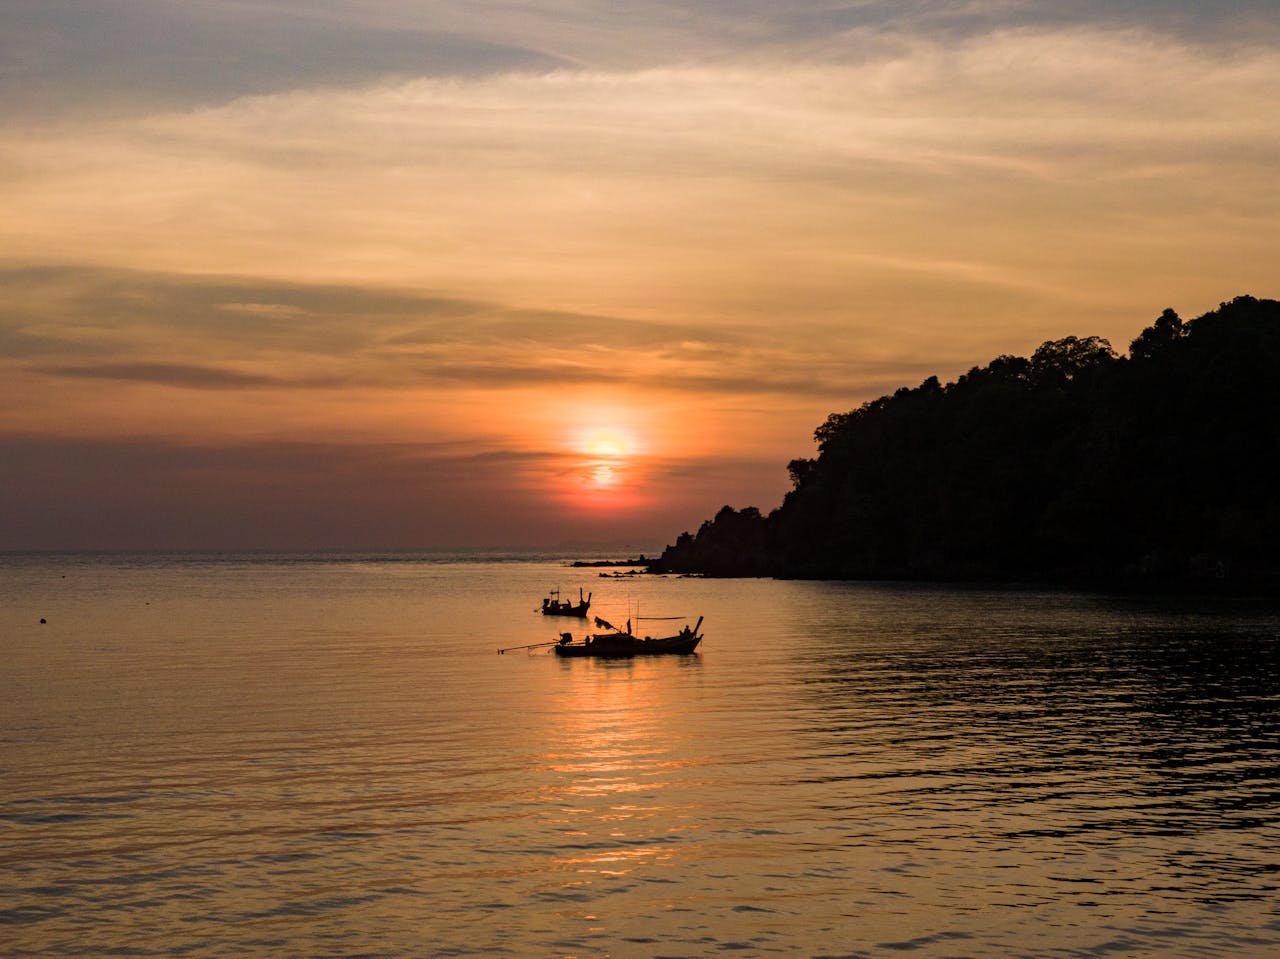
point(434, 273)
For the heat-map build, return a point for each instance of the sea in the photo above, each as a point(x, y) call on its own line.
point(326, 755)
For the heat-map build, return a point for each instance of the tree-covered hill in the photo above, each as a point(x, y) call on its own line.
point(1075, 463)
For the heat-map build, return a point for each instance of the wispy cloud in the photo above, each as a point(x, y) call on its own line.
point(173, 374)
point(97, 56)
point(1019, 161)
point(143, 328)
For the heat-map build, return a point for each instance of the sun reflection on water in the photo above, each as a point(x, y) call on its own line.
point(617, 776)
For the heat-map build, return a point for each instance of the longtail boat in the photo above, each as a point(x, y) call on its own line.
point(553, 605)
point(621, 644)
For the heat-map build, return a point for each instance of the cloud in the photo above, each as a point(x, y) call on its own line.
point(116, 57)
point(1008, 167)
point(106, 55)
point(133, 312)
point(143, 328)
point(172, 374)
point(16, 343)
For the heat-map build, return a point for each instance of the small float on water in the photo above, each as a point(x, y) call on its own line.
point(619, 644)
point(553, 605)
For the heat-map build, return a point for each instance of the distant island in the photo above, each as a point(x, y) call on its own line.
point(1076, 464)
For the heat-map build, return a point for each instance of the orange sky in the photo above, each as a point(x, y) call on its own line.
point(429, 275)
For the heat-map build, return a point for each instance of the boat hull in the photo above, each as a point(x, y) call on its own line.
point(624, 647)
point(580, 611)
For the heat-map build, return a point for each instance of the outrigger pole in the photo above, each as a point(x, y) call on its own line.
point(530, 646)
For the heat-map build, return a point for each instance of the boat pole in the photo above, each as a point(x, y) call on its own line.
point(530, 646)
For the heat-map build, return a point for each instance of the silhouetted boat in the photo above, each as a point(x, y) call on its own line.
point(620, 645)
point(553, 605)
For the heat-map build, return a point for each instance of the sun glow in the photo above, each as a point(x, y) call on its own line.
point(608, 444)
point(608, 450)
point(606, 466)
point(603, 462)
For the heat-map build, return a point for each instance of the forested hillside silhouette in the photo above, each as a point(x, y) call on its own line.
point(1076, 463)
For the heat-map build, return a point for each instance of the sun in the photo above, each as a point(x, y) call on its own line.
point(606, 468)
point(607, 450)
point(606, 444)
point(603, 464)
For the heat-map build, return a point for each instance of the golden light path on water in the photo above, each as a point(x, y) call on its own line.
point(616, 777)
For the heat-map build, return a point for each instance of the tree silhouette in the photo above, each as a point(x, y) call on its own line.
point(1074, 463)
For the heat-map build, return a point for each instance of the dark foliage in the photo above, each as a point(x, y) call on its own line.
point(1075, 463)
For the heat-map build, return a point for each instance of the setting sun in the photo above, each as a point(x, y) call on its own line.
point(606, 443)
point(608, 450)
point(606, 468)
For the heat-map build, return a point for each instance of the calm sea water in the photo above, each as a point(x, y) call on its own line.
point(319, 756)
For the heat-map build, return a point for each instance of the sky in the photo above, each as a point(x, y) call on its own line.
point(404, 274)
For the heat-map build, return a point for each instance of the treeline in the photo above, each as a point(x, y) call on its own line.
point(1076, 463)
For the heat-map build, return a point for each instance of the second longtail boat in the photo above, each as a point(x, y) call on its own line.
point(553, 605)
